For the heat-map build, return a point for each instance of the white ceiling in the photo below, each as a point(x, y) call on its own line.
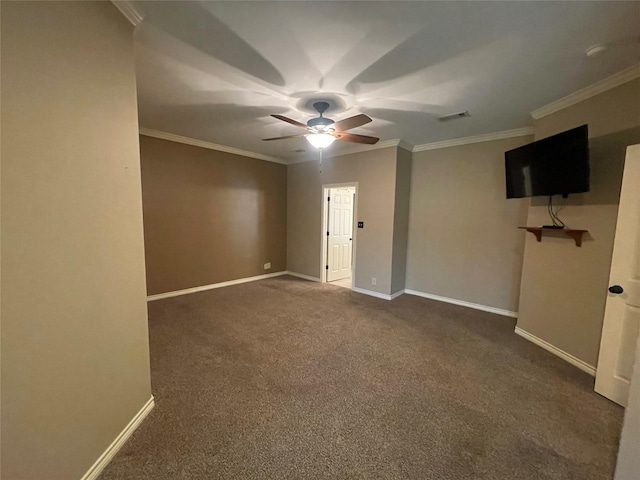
point(215, 71)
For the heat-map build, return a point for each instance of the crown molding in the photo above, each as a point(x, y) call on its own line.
point(405, 145)
point(608, 83)
point(487, 137)
point(365, 148)
point(395, 142)
point(211, 146)
point(304, 159)
point(130, 12)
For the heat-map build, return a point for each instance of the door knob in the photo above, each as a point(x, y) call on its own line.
point(617, 289)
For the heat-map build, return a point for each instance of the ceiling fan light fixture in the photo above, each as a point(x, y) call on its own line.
point(320, 140)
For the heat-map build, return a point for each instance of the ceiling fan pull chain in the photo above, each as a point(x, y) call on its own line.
point(320, 164)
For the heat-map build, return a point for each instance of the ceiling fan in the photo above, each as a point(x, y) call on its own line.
point(322, 131)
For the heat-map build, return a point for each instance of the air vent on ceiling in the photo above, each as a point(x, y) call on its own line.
point(453, 116)
point(299, 150)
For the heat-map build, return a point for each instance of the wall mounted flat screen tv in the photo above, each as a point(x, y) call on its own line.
point(557, 165)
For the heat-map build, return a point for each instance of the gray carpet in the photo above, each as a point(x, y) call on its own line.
point(288, 379)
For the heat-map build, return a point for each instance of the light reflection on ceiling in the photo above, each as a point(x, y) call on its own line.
point(215, 71)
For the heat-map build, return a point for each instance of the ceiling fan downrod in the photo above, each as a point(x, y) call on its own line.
point(320, 123)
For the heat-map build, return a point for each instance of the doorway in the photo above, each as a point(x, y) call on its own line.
point(339, 205)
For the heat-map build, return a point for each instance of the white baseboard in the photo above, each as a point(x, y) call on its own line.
point(202, 288)
point(96, 469)
point(397, 294)
point(462, 303)
point(354, 289)
point(371, 293)
point(301, 275)
point(576, 362)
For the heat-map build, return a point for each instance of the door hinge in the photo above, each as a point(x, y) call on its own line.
point(327, 234)
point(328, 199)
point(326, 267)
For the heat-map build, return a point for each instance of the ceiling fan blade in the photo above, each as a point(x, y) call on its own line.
point(352, 137)
point(286, 136)
point(289, 120)
point(351, 122)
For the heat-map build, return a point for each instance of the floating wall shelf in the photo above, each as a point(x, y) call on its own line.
point(575, 234)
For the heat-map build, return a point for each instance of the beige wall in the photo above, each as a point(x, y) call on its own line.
point(401, 220)
point(563, 287)
point(375, 173)
point(75, 357)
point(464, 241)
point(209, 216)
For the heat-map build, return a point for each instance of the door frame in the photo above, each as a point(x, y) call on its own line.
point(323, 230)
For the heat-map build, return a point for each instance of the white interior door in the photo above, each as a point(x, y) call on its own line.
point(340, 238)
point(622, 311)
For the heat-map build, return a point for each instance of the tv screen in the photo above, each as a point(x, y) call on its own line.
point(557, 165)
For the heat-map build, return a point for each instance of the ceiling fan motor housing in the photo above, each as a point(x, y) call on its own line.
point(319, 122)
point(326, 129)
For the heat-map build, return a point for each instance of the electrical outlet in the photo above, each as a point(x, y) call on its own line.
point(267, 265)
point(373, 280)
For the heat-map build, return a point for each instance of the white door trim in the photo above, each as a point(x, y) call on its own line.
point(323, 229)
